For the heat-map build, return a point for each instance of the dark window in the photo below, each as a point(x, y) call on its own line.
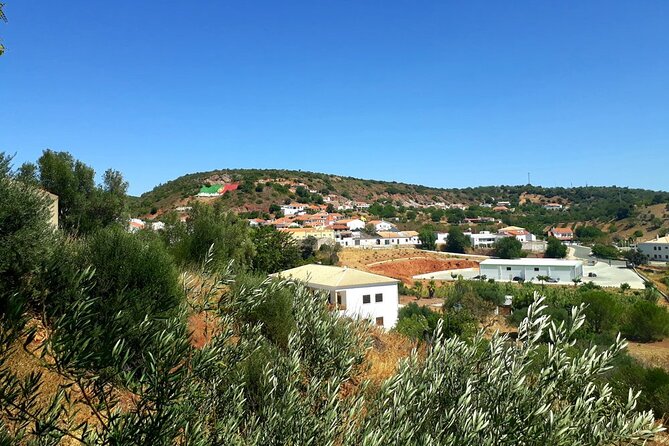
point(508, 268)
point(379, 321)
point(536, 269)
point(378, 297)
point(366, 298)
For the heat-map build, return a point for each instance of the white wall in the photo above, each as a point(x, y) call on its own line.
point(387, 309)
point(529, 272)
point(656, 252)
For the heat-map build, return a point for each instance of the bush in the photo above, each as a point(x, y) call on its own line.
point(645, 322)
point(132, 280)
point(416, 321)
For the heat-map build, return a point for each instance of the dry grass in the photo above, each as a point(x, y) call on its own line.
point(388, 349)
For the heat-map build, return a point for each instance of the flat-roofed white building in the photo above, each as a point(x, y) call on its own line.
point(528, 269)
point(657, 249)
point(355, 293)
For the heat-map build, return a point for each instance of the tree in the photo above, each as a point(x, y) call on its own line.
point(82, 206)
point(555, 249)
point(274, 250)
point(229, 235)
point(645, 322)
point(605, 251)
point(3, 17)
point(508, 248)
point(25, 237)
point(636, 257)
point(457, 241)
point(428, 238)
point(330, 209)
point(602, 310)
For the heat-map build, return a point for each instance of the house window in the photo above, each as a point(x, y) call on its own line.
point(366, 298)
point(378, 297)
point(508, 268)
point(536, 269)
point(379, 321)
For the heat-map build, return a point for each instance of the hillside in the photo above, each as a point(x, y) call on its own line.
point(617, 210)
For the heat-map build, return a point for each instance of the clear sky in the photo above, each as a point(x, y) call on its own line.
point(439, 93)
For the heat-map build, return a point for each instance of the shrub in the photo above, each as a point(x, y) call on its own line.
point(605, 251)
point(645, 321)
point(416, 321)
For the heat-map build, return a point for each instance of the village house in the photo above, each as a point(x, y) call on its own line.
point(565, 235)
point(398, 238)
point(553, 206)
point(381, 225)
point(301, 234)
point(352, 224)
point(293, 209)
point(657, 250)
point(356, 294)
point(521, 234)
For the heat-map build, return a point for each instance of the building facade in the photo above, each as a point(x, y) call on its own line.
point(657, 250)
point(563, 271)
point(354, 293)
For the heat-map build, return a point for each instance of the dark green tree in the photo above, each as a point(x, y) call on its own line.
point(274, 250)
point(457, 241)
point(555, 249)
point(508, 248)
point(428, 237)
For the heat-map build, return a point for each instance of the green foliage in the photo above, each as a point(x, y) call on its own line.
point(207, 226)
point(274, 250)
point(416, 321)
point(456, 241)
point(652, 383)
point(130, 279)
point(555, 249)
point(428, 237)
point(636, 257)
point(588, 233)
point(83, 207)
point(605, 251)
point(602, 310)
point(272, 308)
point(645, 321)
point(508, 248)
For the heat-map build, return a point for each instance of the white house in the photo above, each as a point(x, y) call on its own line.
point(354, 293)
point(135, 224)
point(484, 239)
point(381, 225)
point(292, 209)
point(563, 271)
point(399, 238)
point(353, 224)
point(441, 238)
point(553, 206)
point(657, 249)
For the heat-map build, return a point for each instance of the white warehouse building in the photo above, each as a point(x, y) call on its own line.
point(356, 294)
point(563, 271)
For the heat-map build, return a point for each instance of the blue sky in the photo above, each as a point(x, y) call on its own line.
point(440, 93)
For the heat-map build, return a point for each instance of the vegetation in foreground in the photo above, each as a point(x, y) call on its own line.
point(277, 368)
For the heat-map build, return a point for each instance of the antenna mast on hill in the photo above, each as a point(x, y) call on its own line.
point(528, 178)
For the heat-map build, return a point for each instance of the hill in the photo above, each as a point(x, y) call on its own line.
point(629, 210)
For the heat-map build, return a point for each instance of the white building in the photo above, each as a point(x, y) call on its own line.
point(292, 209)
point(354, 293)
point(381, 225)
point(484, 239)
point(564, 271)
point(384, 239)
point(353, 224)
point(553, 206)
point(441, 238)
point(657, 249)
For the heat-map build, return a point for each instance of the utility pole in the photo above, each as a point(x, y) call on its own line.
point(528, 178)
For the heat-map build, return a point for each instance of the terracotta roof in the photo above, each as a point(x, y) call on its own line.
point(562, 231)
